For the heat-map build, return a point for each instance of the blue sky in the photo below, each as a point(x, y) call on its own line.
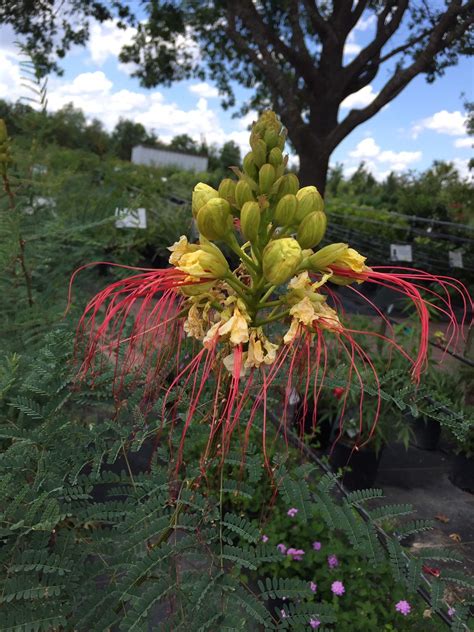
point(425, 122)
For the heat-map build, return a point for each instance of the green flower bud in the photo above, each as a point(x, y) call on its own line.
point(249, 166)
point(285, 210)
point(312, 229)
point(259, 151)
point(266, 177)
point(227, 190)
point(202, 264)
point(271, 138)
point(201, 195)
point(327, 255)
point(288, 184)
point(275, 157)
point(214, 220)
point(281, 259)
point(307, 202)
point(212, 249)
point(243, 193)
point(3, 132)
point(282, 140)
point(250, 220)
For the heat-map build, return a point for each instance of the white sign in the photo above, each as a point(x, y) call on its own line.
point(130, 219)
point(455, 259)
point(401, 252)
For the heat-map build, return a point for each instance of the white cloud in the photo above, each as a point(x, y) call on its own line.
point(462, 165)
point(10, 77)
point(204, 89)
point(107, 40)
point(374, 158)
point(361, 98)
point(464, 142)
point(351, 48)
point(365, 23)
point(443, 122)
point(366, 148)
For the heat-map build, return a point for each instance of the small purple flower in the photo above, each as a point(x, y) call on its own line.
point(281, 548)
point(314, 623)
point(317, 546)
point(338, 588)
point(313, 586)
point(264, 538)
point(403, 607)
point(451, 611)
point(332, 561)
point(292, 512)
point(295, 554)
point(283, 614)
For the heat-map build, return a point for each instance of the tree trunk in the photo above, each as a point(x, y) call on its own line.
point(314, 166)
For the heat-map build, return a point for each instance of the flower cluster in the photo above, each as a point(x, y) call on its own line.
point(270, 315)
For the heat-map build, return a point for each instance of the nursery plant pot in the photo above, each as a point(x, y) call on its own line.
point(462, 473)
point(363, 464)
point(426, 432)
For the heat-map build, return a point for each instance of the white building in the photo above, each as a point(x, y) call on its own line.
point(153, 157)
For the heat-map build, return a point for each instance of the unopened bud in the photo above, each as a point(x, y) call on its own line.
point(201, 195)
point(275, 157)
point(271, 138)
point(281, 259)
point(266, 177)
point(214, 220)
point(259, 151)
point(227, 190)
point(327, 255)
point(203, 265)
point(243, 193)
point(249, 166)
point(250, 220)
point(288, 184)
point(3, 132)
point(309, 200)
point(312, 229)
point(285, 210)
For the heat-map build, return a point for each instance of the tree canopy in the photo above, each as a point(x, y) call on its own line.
point(290, 53)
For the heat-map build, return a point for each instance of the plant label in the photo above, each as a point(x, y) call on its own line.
point(455, 259)
point(401, 252)
point(127, 218)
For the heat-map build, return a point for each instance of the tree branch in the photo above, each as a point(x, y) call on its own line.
point(442, 36)
point(279, 85)
point(264, 35)
point(371, 53)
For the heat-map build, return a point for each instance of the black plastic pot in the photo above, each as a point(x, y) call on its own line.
point(426, 432)
point(462, 473)
point(363, 464)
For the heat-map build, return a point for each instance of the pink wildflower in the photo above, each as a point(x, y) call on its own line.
point(295, 554)
point(292, 512)
point(283, 614)
point(317, 546)
point(313, 586)
point(314, 623)
point(403, 607)
point(332, 561)
point(451, 611)
point(281, 548)
point(264, 538)
point(338, 588)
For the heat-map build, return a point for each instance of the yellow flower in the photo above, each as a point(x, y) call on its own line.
point(180, 248)
point(193, 325)
point(260, 350)
point(202, 265)
point(237, 327)
point(310, 314)
point(351, 259)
